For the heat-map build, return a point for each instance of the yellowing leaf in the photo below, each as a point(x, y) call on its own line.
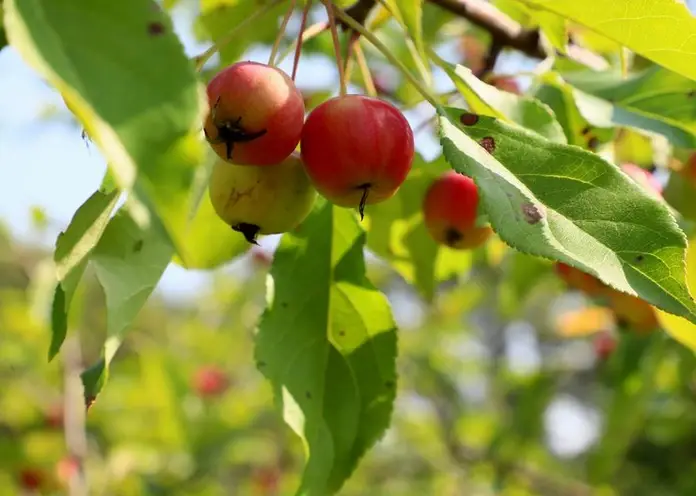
point(660, 30)
point(681, 329)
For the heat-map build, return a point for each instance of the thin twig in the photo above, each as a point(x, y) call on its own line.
point(74, 415)
point(300, 38)
point(281, 32)
point(337, 46)
point(201, 59)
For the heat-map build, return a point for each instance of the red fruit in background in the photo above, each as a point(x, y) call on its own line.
point(637, 313)
point(31, 478)
point(604, 345)
point(582, 281)
point(266, 480)
point(449, 212)
point(643, 177)
point(210, 381)
point(53, 416)
point(506, 84)
point(256, 114)
point(261, 257)
point(357, 150)
point(66, 469)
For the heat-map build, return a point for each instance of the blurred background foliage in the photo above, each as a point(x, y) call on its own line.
point(511, 381)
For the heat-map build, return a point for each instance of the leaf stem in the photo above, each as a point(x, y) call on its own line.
point(353, 24)
point(201, 59)
point(337, 46)
point(281, 33)
point(300, 38)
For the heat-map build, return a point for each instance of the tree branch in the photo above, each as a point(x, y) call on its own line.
point(505, 32)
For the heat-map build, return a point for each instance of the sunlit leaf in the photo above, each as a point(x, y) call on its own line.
point(656, 100)
point(488, 100)
point(73, 248)
point(660, 30)
point(567, 204)
point(681, 329)
point(129, 263)
point(106, 59)
point(327, 344)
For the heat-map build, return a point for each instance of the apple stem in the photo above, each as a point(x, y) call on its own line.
point(337, 46)
point(201, 59)
point(300, 38)
point(356, 26)
point(281, 33)
point(370, 87)
point(363, 200)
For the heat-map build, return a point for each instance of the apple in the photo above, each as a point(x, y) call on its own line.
point(357, 150)
point(261, 200)
point(256, 114)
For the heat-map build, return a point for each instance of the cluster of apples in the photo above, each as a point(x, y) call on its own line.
point(355, 151)
point(637, 313)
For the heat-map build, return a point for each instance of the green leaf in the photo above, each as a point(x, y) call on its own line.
point(219, 17)
point(655, 100)
point(488, 100)
point(567, 204)
point(72, 251)
point(327, 344)
point(123, 72)
point(129, 262)
point(410, 14)
point(552, 25)
point(396, 233)
point(659, 30)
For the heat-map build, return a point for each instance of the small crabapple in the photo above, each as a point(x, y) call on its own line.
point(31, 478)
point(604, 345)
point(357, 150)
point(449, 212)
point(636, 312)
point(643, 177)
point(506, 84)
point(67, 468)
point(577, 279)
point(210, 381)
point(261, 200)
point(256, 114)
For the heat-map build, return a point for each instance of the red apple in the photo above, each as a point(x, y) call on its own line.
point(31, 479)
point(53, 416)
point(636, 312)
point(357, 150)
point(449, 212)
point(66, 468)
point(643, 177)
point(604, 345)
point(506, 84)
point(266, 480)
point(256, 114)
point(210, 381)
point(582, 281)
